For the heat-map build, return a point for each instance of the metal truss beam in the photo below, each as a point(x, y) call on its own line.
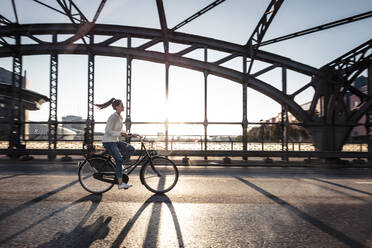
point(263, 71)
point(369, 111)
point(225, 59)
point(4, 20)
point(89, 132)
point(245, 110)
point(192, 64)
point(128, 119)
point(350, 65)
point(69, 8)
point(317, 28)
point(205, 124)
point(150, 44)
point(197, 14)
point(15, 11)
point(284, 114)
point(53, 93)
point(261, 28)
point(98, 12)
point(81, 32)
point(167, 64)
point(16, 106)
point(353, 60)
point(146, 33)
point(189, 19)
point(56, 10)
point(163, 25)
point(294, 94)
point(264, 23)
point(111, 40)
point(187, 50)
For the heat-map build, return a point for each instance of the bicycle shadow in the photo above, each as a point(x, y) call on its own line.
point(95, 200)
point(81, 236)
point(152, 232)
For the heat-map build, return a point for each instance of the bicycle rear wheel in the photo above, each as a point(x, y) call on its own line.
point(89, 169)
point(160, 175)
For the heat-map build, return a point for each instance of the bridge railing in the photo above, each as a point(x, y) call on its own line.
point(219, 146)
point(72, 143)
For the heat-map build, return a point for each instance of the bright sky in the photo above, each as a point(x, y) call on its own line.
point(233, 21)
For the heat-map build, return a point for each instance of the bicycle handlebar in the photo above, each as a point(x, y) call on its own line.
point(137, 135)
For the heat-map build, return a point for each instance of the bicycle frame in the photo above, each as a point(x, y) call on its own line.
point(142, 158)
point(102, 167)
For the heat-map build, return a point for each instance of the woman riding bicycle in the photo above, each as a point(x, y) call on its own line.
point(121, 151)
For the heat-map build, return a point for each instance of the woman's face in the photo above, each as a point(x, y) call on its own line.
point(120, 107)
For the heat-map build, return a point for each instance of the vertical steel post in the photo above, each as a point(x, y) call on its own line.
point(369, 112)
point(128, 120)
point(205, 105)
point(53, 85)
point(284, 114)
point(245, 111)
point(166, 103)
point(89, 132)
point(15, 111)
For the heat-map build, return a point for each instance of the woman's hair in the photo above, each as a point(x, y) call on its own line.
point(113, 102)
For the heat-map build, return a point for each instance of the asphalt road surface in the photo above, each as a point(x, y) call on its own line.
point(43, 205)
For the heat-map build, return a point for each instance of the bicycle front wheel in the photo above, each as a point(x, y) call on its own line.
point(159, 175)
point(89, 170)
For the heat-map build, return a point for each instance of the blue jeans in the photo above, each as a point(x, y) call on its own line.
point(121, 152)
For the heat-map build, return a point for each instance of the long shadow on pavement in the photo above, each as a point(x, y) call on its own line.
point(153, 226)
point(36, 200)
point(343, 186)
point(327, 187)
point(6, 177)
point(313, 221)
point(95, 199)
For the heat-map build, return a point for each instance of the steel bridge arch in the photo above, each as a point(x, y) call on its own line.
point(117, 32)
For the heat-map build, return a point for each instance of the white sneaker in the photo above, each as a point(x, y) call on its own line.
point(124, 186)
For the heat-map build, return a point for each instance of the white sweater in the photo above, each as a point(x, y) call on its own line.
point(113, 128)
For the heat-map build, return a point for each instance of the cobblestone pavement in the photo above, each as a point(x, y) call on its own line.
point(45, 206)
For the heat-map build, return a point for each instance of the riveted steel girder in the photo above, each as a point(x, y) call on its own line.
point(148, 33)
point(264, 23)
point(317, 28)
point(158, 57)
point(354, 60)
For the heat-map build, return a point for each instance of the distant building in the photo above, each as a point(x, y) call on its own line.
point(77, 128)
point(74, 126)
point(291, 118)
point(40, 132)
point(353, 102)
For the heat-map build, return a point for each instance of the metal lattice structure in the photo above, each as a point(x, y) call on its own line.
point(89, 133)
point(330, 82)
point(15, 112)
point(53, 93)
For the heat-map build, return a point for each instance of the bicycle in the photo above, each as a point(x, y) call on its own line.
point(158, 174)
